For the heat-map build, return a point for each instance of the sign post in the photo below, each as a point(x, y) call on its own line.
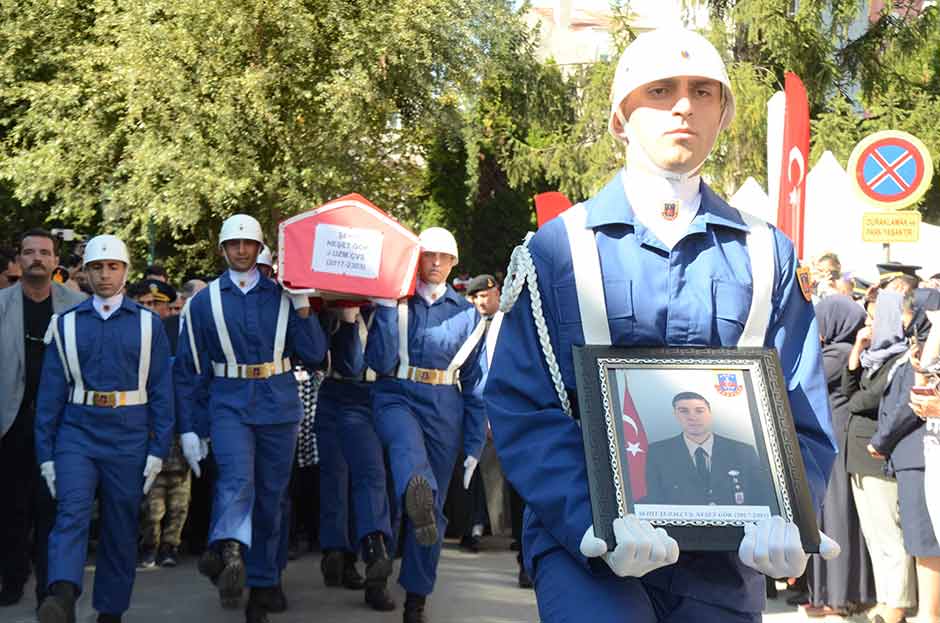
point(890, 171)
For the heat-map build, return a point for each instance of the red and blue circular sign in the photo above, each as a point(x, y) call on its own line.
point(891, 170)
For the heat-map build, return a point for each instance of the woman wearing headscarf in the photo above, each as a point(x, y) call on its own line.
point(844, 584)
point(864, 379)
point(900, 437)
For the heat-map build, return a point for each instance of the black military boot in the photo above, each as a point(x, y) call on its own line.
point(108, 618)
point(378, 569)
point(352, 579)
point(419, 505)
point(276, 600)
point(414, 609)
point(332, 567)
point(210, 563)
point(231, 579)
point(59, 606)
point(256, 611)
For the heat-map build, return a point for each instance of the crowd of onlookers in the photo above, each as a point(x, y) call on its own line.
point(880, 355)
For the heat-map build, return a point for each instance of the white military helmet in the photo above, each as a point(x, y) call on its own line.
point(438, 240)
point(667, 53)
point(241, 227)
point(265, 256)
point(105, 247)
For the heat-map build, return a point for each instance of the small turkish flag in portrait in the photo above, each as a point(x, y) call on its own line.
point(635, 445)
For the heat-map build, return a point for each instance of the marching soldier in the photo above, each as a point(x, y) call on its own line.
point(656, 258)
point(427, 400)
point(236, 342)
point(352, 462)
point(103, 425)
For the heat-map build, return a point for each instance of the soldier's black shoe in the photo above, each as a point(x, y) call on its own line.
point(332, 567)
point(414, 609)
point(167, 556)
point(256, 611)
point(108, 618)
point(210, 564)
point(11, 594)
point(275, 600)
point(352, 579)
point(524, 580)
point(378, 569)
point(419, 505)
point(231, 580)
point(59, 606)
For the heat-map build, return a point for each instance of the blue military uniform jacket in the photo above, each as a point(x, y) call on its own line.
point(697, 294)
point(108, 354)
point(435, 334)
point(251, 319)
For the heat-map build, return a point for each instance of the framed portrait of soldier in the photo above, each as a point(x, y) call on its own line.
point(696, 441)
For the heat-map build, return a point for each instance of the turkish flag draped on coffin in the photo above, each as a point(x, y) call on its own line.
point(792, 199)
point(635, 445)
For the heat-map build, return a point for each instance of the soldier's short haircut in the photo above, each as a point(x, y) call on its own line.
point(689, 396)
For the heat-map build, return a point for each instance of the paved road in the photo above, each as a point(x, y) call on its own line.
point(478, 588)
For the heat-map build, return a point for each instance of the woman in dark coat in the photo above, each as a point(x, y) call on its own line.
point(846, 584)
point(900, 437)
point(876, 351)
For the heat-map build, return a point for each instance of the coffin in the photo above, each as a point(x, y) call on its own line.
point(347, 248)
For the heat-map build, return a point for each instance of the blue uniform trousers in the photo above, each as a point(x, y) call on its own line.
point(568, 593)
point(119, 482)
point(254, 470)
point(421, 426)
point(334, 479)
point(350, 404)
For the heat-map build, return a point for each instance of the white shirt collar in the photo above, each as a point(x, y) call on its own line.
point(107, 306)
point(665, 204)
point(706, 446)
point(245, 281)
point(430, 292)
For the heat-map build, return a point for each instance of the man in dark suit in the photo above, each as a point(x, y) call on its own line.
point(700, 467)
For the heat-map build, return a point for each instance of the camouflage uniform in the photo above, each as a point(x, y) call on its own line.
point(167, 504)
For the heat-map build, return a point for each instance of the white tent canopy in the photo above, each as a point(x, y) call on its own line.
point(834, 223)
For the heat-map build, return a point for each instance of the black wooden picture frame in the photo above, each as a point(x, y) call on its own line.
point(755, 377)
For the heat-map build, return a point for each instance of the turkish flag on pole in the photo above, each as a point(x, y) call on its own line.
point(549, 205)
point(635, 446)
point(792, 199)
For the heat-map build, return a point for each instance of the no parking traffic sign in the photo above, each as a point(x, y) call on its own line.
point(890, 170)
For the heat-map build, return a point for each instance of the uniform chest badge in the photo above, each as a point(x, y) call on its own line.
point(670, 210)
point(728, 384)
point(806, 283)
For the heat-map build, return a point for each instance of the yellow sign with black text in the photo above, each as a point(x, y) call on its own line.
point(891, 226)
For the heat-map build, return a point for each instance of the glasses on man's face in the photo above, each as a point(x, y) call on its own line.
point(13, 278)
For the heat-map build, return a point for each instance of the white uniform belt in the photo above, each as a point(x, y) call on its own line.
point(430, 376)
point(90, 398)
point(251, 371)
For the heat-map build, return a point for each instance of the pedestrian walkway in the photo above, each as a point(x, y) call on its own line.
point(472, 588)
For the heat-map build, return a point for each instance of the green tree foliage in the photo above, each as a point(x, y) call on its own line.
point(181, 112)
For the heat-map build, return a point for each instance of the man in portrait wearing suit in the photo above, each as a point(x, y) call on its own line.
point(700, 467)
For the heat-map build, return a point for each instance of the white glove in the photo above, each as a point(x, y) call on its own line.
point(192, 450)
point(773, 547)
point(469, 466)
point(47, 469)
point(640, 549)
point(385, 302)
point(203, 448)
point(299, 301)
point(349, 314)
point(151, 470)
